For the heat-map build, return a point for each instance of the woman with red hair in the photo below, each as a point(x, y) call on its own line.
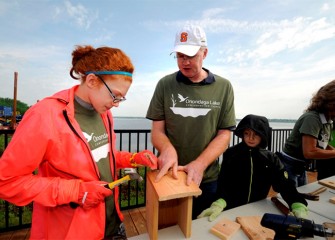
point(69, 138)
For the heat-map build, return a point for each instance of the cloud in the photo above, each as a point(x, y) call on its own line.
point(275, 60)
point(268, 62)
point(297, 34)
point(212, 12)
point(276, 89)
point(325, 7)
point(80, 14)
point(276, 37)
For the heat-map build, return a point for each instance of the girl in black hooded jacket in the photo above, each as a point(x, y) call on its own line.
point(249, 170)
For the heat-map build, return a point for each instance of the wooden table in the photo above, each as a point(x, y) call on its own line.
point(322, 207)
point(320, 212)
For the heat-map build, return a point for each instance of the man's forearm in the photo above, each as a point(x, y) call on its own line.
point(215, 148)
point(160, 141)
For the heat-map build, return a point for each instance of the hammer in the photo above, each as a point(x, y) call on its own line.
point(314, 195)
point(131, 175)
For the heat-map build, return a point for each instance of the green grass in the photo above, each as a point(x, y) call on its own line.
point(133, 187)
point(2, 143)
point(14, 212)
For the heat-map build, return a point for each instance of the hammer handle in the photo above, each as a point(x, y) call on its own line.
point(118, 182)
point(280, 206)
point(109, 186)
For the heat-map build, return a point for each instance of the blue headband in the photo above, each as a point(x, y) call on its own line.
point(110, 73)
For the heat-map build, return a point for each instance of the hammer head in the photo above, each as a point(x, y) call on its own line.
point(133, 174)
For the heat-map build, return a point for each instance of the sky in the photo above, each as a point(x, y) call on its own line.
point(276, 54)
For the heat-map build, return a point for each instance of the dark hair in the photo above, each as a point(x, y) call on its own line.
point(324, 100)
point(86, 58)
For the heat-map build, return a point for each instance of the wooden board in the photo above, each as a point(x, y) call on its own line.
point(169, 201)
point(331, 226)
point(332, 200)
point(130, 228)
point(225, 228)
point(251, 225)
point(327, 183)
point(169, 188)
point(138, 220)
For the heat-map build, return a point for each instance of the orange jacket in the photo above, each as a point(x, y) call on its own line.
point(45, 140)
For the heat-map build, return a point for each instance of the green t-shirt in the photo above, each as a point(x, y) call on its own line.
point(332, 142)
point(310, 123)
point(193, 114)
point(96, 135)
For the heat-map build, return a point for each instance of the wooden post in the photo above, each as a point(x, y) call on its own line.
point(13, 122)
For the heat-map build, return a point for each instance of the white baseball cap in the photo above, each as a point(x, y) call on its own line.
point(189, 39)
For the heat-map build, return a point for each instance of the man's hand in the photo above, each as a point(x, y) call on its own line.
point(195, 171)
point(166, 160)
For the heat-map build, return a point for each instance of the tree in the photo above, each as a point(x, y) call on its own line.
point(21, 107)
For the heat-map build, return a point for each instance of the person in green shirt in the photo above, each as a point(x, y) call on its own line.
point(309, 139)
point(192, 113)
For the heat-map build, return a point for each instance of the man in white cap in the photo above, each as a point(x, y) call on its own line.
point(192, 113)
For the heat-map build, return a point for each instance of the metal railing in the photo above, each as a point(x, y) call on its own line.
point(132, 195)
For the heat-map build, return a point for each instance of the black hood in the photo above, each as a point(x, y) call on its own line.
point(259, 124)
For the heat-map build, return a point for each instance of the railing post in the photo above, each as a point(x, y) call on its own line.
point(270, 139)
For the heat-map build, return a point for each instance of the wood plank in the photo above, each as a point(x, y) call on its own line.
point(185, 215)
point(129, 225)
point(251, 225)
point(169, 188)
point(138, 220)
point(143, 212)
point(152, 208)
point(225, 229)
point(167, 213)
point(331, 226)
point(22, 234)
point(328, 183)
point(6, 235)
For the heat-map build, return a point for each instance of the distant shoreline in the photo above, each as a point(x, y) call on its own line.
point(283, 120)
point(270, 120)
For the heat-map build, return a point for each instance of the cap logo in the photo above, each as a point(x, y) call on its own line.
point(183, 37)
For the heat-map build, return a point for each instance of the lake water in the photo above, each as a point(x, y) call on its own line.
point(143, 123)
point(137, 142)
